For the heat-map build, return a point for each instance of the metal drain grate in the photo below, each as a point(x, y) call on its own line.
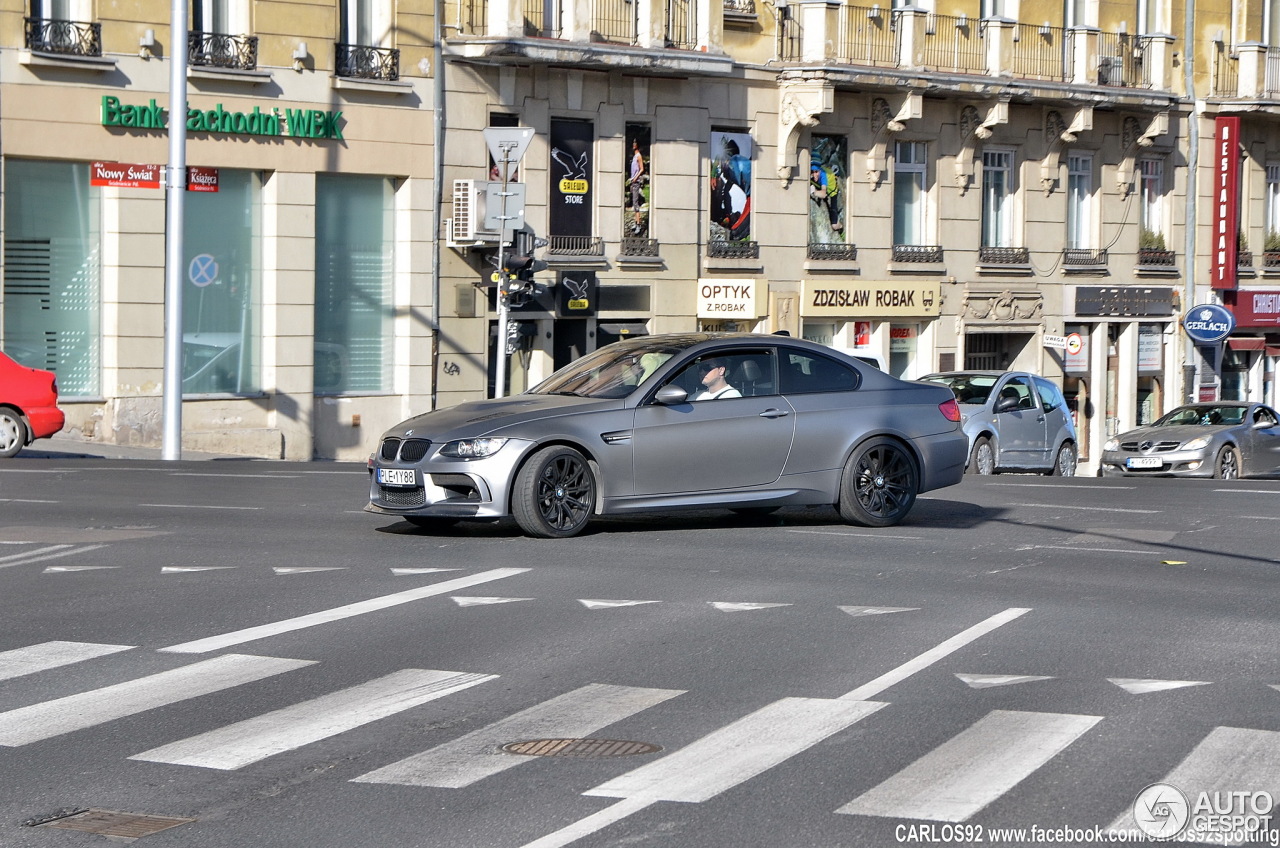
point(580, 748)
point(111, 823)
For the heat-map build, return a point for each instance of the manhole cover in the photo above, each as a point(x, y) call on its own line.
point(580, 748)
point(111, 823)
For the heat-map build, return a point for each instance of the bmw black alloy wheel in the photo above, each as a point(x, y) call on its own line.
point(555, 493)
point(879, 486)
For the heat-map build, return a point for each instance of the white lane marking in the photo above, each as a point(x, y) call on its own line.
point(481, 602)
point(475, 756)
point(987, 681)
point(26, 500)
point(1261, 517)
point(276, 476)
point(1141, 686)
point(262, 631)
point(188, 569)
point(735, 606)
point(249, 741)
point(47, 655)
point(400, 572)
point(1251, 491)
point(59, 569)
point(1228, 760)
point(860, 611)
point(307, 569)
point(1094, 508)
point(87, 709)
point(855, 535)
point(970, 770)
point(42, 554)
point(1061, 486)
point(199, 506)
point(718, 761)
point(598, 603)
point(1080, 549)
point(934, 654)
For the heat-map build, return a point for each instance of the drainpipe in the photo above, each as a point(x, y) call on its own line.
point(1193, 185)
point(437, 57)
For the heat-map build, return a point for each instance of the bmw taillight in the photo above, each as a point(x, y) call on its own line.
point(950, 409)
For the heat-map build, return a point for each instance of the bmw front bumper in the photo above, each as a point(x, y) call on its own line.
point(446, 487)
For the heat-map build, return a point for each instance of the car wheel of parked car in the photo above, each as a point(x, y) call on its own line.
point(555, 493)
point(1227, 465)
point(878, 487)
point(983, 460)
point(13, 433)
point(1064, 465)
point(430, 522)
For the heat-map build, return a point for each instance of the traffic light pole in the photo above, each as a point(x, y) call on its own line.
point(504, 281)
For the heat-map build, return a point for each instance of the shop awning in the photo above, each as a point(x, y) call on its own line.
point(1247, 343)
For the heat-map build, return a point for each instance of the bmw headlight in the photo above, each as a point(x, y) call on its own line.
point(1198, 443)
point(472, 448)
point(1111, 444)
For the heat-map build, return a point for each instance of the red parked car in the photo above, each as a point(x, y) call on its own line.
point(28, 406)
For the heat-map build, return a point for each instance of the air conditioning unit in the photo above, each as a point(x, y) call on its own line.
point(466, 227)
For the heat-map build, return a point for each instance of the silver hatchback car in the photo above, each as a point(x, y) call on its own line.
point(739, 421)
point(1015, 421)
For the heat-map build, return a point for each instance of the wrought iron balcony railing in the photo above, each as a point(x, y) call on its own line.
point(733, 249)
point(216, 50)
point(360, 61)
point(635, 246)
point(67, 38)
point(832, 252)
point(1156, 257)
point(1080, 258)
point(1271, 259)
point(1004, 255)
point(575, 245)
point(917, 253)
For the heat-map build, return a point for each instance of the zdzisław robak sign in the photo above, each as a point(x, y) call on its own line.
point(293, 123)
point(1208, 323)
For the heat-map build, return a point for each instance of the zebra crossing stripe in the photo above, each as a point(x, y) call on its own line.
point(262, 631)
point(47, 655)
point(969, 771)
point(1229, 759)
point(473, 757)
point(42, 554)
point(98, 706)
point(255, 739)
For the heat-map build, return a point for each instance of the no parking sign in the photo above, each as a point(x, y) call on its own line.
point(203, 270)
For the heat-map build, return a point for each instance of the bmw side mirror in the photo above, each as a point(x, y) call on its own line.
point(670, 395)
point(1007, 404)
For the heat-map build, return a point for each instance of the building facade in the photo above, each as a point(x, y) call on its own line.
point(968, 185)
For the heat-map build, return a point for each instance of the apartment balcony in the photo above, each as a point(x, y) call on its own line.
point(63, 38)
point(216, 50)
point(360, 61)
point(833, 252)
point(1084, 261)
point(589, 247)
point(660, 37)
point(830, 36)
point(1251, 72)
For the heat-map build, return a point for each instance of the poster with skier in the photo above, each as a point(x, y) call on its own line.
point(730, 186)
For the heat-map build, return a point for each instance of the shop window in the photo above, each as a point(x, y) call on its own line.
point(220, 301)
point(52, 272)
point(354, 269)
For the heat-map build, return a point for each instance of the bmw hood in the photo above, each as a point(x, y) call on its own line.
point(498, 416)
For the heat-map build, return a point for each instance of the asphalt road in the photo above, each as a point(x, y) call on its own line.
point(238, 644)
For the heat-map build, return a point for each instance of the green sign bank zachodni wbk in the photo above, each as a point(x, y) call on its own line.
point(289, 123)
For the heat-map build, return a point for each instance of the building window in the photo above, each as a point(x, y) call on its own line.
point(1273, 207)
point(638, 191)
point(828, 169)
point(366, 22)
point(52, 293)
point(997, 198)
point(1080, 206)
point(1152, 199)
point(1153, 16)
point(220, 301)
point(910, 194)
point(355, 262)
point(63, 26)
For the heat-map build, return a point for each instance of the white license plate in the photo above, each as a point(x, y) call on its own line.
point(1144, 462)
point(397, 477)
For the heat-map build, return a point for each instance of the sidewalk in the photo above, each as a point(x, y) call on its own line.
point(65, 447)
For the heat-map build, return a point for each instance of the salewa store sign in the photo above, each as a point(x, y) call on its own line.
point(290, 123)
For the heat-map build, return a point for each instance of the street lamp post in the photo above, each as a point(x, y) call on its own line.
point(175, 200)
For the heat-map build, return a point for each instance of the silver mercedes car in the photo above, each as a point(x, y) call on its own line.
point(1223, 440)
point(741, 421)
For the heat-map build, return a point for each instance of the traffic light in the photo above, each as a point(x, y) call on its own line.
point(517, 273)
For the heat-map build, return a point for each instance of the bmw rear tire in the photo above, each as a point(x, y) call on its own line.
point(555, 493)
point(879, 484)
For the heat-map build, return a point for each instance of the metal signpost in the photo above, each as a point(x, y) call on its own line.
point(507, 146)
point(175, 197)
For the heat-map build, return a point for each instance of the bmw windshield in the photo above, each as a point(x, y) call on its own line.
point(613, 371)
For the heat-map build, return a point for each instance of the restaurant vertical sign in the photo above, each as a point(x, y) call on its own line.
point(1226, 203)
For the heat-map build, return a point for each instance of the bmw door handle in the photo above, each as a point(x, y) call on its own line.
point(774, 413)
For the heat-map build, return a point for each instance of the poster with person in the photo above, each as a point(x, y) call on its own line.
point(828, 158)
point(730, 186)
point(637, 182)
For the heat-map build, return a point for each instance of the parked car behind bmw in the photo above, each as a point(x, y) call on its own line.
point(28, 406)
point(1015, 421)
point(1223, 440)
point(650, 424)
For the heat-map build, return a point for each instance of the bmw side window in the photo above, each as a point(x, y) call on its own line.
point(804, 374)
